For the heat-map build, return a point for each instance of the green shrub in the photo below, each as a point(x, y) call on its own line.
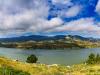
point(97, 58)
point(32, 59)
point(93, 59)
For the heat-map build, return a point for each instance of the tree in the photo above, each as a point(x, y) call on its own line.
point(98, 58)
point(32, 59)
point(91, 59)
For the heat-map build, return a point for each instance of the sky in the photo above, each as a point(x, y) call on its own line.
point(50, 17)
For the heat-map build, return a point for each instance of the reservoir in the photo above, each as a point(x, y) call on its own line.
point(63, 57)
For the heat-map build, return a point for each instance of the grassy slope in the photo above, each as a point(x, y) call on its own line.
point(42, 69)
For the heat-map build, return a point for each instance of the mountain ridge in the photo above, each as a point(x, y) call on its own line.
point(43, 38)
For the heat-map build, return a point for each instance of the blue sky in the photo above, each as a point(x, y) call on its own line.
point(50, 17)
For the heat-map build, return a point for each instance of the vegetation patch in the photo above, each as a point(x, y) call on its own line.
point(93, 59)
point(11, 67)
point(4, 70)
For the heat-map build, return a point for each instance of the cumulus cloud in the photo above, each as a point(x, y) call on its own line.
point(22, 16)
point(28, 20)
point(23, 19)
point(73, 11)
point(98, 7)
point(62, 1)
point(43, 25)
point(80, 25)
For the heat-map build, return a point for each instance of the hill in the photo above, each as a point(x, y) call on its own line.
point(31, 38)
point(49, 42)
point(43, 38)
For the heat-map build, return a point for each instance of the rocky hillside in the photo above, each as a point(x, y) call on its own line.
point(49, 42)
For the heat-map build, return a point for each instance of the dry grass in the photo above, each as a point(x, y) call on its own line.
point(42, 69)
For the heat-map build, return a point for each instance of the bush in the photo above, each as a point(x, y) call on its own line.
point(32, 59)
point(93, 59)
point(97, 58)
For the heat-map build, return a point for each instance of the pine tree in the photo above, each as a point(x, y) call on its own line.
point(98, 59)
point(91, 59)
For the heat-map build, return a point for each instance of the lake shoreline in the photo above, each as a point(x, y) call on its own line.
point(54, 69)
point(63, 57)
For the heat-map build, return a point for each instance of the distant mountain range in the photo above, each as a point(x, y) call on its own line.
point(77, 37)
point(49, 42)
point(32, 38)
point(43, 38)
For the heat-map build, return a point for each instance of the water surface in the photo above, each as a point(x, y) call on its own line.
point(64, 57)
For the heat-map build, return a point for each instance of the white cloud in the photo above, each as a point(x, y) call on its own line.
point(80, 25)
point(28, 20)
point(56, 21)
point(24, 19)
point(62, 1)
point(41, 25)
point(73, 11)
point(17, 18)
point(98, 7)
